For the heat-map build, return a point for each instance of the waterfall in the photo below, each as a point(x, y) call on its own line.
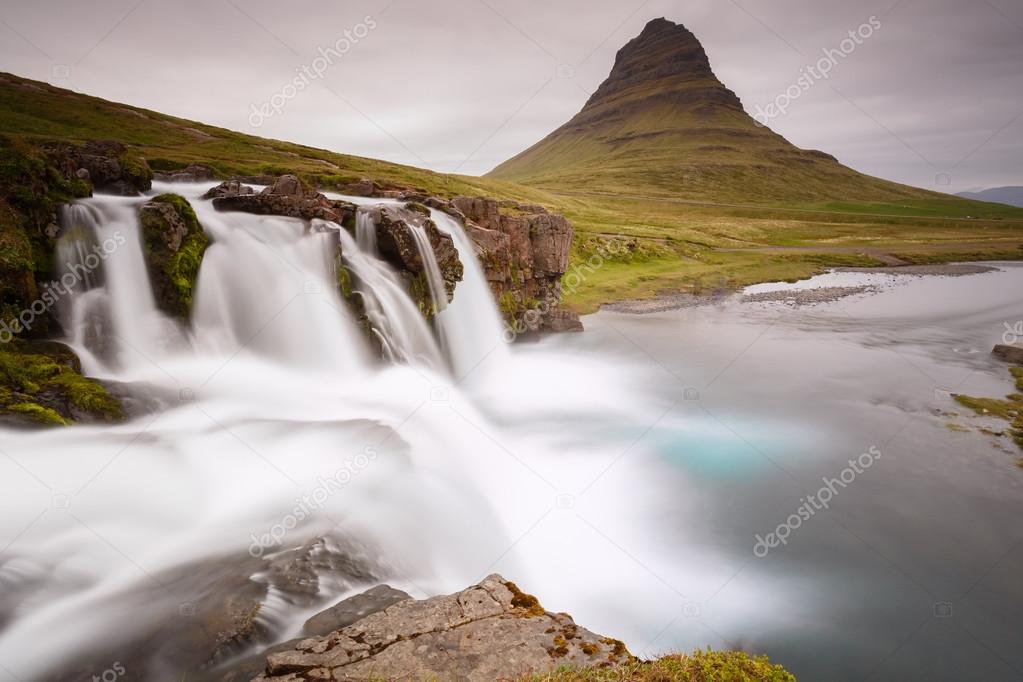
point(366, 232)
point(397, 322)
point(109, 311)
point(472, 325)
point(261, 404)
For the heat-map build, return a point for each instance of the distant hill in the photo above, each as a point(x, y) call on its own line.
point(663, 124)
point(1012, 196)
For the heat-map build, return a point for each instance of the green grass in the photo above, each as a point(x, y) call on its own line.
point(700, 666)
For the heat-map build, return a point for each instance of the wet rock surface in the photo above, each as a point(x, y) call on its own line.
point(394, 227)
point(173, 244)
point(489, 631)
point(286, 196)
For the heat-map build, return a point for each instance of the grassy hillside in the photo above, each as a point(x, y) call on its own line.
point(37, 111)
point(672, 244)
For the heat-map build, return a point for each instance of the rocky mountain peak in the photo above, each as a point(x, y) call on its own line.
point(665, 55)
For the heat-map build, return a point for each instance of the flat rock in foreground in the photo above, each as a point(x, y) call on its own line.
point(489, 631)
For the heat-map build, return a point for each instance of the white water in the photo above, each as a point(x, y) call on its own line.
point(271, 389)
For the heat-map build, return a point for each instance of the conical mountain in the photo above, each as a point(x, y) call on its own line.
point(662, 124)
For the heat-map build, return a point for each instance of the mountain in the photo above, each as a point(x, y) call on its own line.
point(663, 124)
point(1012, 196)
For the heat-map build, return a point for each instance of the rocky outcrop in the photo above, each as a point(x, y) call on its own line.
point(288, 196)
point(109, 166)
point(174, 244)
point(524, 250)
point(487, 632)
point(394, 228)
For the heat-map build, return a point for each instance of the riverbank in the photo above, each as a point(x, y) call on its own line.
point(782, 292)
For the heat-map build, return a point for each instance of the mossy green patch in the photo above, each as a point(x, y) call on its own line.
point(48, 389)
point(1010, 409)
point(700, 666)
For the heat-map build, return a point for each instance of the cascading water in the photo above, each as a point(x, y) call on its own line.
point(269, 401)
point(391, 315)
point(473, 328)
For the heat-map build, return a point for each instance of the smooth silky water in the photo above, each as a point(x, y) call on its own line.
point(622, 474)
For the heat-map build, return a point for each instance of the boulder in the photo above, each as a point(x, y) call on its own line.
point(487, 632)
point(1009, 352)
point(288, 196)
point(173, 244)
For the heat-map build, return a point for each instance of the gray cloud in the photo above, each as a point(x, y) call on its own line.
point(464, 84)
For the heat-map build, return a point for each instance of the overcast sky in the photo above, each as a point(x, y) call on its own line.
point(933, 95)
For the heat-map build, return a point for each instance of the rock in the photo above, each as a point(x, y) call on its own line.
point(487, 632)
point(1009, 352)
point(288, 196)
point(394, 225)
point(228, 188)
point(194, 172)
point(361, 188)
point(173, 244)
point(561, 320)
point(112, 168)
point(353, 609)
point(524, 250)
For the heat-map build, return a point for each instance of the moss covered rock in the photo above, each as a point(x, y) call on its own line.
point(41, 384)
point(174, 245)
point(33, 184)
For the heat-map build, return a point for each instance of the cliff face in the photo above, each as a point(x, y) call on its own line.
point(524, 251)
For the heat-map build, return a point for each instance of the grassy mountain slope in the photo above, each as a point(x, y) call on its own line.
point(662, 124)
